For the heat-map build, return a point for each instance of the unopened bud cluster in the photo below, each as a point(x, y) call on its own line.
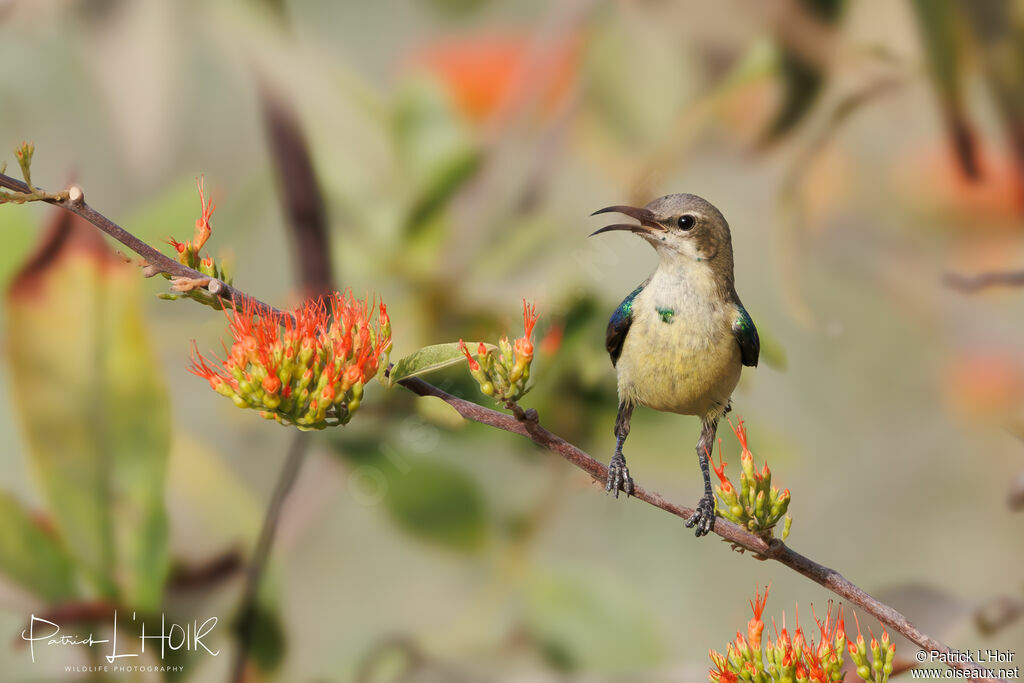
point(504, 371)
point(877, 667)
point(756, 505)
point(24, 153)
point(189, 255)
point(307, 371)
point(797, 658)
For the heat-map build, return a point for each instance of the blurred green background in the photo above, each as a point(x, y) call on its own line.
point(860, 151)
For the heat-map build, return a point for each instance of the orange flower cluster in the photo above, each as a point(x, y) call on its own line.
point(503, 371)
point(797, 657)
point(757, 505)
point(309, 371)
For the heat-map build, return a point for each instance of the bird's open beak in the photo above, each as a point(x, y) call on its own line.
point(645, 216)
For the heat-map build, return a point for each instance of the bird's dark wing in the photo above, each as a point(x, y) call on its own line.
point(618, 326)
point(746, 335)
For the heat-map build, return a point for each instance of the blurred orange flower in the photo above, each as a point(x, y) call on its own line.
point(986, 384)
point(932, 179)
point(486, 71)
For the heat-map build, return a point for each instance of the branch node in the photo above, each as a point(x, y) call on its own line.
point(188, 284)
point(149, 270)
point(76, 196)
point(215, 286)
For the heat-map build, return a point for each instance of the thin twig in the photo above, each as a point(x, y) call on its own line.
point(156, 261)
point(527, 425)
point(261, 555)
point(974, 283)
point(775, 550)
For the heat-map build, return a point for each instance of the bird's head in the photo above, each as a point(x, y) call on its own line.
point(683, 228)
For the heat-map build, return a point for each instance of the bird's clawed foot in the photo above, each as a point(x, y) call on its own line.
point(618, 476)
point(703, 517)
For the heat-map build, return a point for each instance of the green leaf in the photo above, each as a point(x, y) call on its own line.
point(773, 353)
point(208, 504)
point(94, 410)
point(18, 227)
point(31, 557)
point(437, 152)
point(426, 498)
point(579, 621)
point(450, 175)
point(428, 359)
point(437, 503)
point(268, 641)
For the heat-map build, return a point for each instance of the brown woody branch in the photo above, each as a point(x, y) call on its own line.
point(155, 261)
point(526, 424)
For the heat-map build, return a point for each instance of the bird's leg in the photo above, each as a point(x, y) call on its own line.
point(704, 516)
point(618, 474)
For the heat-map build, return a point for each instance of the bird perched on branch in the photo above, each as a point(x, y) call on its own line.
point(680, 339)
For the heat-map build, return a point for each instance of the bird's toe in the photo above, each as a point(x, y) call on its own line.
point(703, 518)
point(618, 477)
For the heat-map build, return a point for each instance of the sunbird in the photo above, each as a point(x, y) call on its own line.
point(679, 341)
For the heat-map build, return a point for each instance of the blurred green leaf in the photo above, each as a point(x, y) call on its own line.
point(456, 7)
point(17, 225)
point(426, 498)
point(428, 359)
point(30, 557)
point(576, 620)
point(437, 503)
point(94, 409)
point(447, 178)
point(207, 502)
point(434, 410)
point(773, 353)
point(172, 213)
point(435, 150)
point(267, 637)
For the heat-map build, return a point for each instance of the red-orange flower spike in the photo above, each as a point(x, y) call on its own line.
point(741, 434)
point(179, 247)
point(756, 626)
point(203, 222)
point(721, 673)
point(860, 638)
point(473, 365)
point(529, 318)
point(200, 368)
point(720, 470)
point(524, 346)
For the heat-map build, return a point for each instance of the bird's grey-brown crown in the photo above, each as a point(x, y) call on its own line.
point(672, 206)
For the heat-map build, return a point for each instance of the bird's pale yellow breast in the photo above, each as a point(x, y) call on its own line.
point(680, 354)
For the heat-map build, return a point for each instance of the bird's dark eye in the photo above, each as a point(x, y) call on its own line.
point(686, 222)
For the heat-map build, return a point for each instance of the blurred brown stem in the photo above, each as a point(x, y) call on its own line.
point(974, 283)
point(261, 555)
point(527, 425)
